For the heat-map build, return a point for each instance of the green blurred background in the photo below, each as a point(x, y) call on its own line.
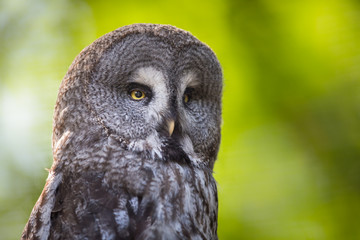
point(289, 164)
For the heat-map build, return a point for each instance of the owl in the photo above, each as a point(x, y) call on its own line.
point(136, 132)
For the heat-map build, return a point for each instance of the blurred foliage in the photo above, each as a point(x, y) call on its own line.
point(289, 164)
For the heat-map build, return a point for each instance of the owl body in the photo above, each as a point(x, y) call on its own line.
point(136, 134)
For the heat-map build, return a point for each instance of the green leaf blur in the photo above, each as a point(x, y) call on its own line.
point(289, 163)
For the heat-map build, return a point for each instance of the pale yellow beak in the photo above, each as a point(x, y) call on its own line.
point(171, 126)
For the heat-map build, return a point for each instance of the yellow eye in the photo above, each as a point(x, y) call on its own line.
point(137, 94)
point(186, 98)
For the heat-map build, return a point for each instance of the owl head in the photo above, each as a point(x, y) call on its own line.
point(153, 89)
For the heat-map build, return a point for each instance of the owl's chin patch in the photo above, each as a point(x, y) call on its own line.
point(163, 149)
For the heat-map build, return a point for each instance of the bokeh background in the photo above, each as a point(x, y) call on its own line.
point(289, 164)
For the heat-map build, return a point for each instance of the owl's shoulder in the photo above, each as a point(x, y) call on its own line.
point(85, 207)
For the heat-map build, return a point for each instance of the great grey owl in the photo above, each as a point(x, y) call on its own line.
point(135, 136)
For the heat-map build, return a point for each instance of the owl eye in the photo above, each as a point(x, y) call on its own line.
point(186, 98)
point(188, 95)
point(137, 94)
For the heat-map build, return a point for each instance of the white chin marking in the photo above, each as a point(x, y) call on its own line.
point(152, 144)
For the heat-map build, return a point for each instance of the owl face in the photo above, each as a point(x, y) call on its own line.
point(161, 97)
point(154, 88)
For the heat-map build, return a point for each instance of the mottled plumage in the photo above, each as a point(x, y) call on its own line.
point(136, 134)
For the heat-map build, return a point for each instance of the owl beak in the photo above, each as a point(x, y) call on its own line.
point(171, 126)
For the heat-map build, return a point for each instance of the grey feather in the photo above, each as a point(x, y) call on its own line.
point(118, 171)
